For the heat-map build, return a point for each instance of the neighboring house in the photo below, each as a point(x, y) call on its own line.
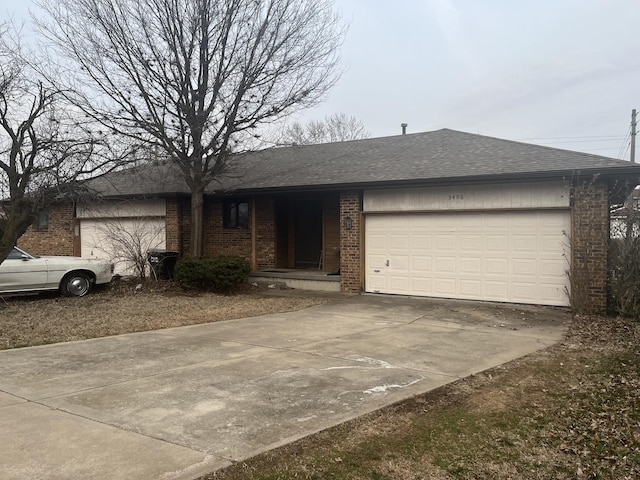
point(441, 214)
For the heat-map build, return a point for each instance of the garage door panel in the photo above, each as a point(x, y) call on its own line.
point(445, 265)
point(398, 242)
point(495, 290)
point(470, 243)
point(377, 241)
point(398, 264)
point(502, 256)
point(496, 243)
point(553, 268)
point(521, 291)
point(421, 265)
point(421, 284)
point(550, 245)
point(399, 283)
point(470, 266)
point(445, 287)
point(420, 243)
point(527, 267)
point(496, 266)
point(378, 284)
point(376, 261)
point(440, 223)
point(553, 294)
point(470, 288)
point(525, 243)
point(444, 243)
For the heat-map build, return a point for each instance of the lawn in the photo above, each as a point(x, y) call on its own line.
point(571, 411)
point(124, 308)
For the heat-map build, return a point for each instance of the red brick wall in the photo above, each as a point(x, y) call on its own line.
point(174, 219)
point(55, 240)
point(589, 243)
point(350, 248)
point(220, 241)
point(265, 233)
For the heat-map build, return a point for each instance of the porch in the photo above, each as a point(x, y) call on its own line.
point(303, 279)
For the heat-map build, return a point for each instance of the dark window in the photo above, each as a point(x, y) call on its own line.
point(236, 214)
point(42, 220)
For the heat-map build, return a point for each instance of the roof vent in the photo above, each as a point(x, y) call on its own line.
point(404, 128)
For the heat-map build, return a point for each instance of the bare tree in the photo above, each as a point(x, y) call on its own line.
point(129, 241)
point(45, 145)
point(196, 78)
point(338, 127)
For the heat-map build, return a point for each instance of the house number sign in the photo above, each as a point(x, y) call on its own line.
point(457, 196)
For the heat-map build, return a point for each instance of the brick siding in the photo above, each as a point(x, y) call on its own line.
point(223, 241)
point(57, 239)
point(589, 242)
point(176, 211)
point(350, 248)
point(265, 233)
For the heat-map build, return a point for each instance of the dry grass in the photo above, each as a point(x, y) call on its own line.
point(571, 411)
point(49, 318)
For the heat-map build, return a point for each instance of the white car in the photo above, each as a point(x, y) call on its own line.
point(73, 276)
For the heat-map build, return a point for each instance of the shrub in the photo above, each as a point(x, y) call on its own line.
point(220, 273)
point(624, 276)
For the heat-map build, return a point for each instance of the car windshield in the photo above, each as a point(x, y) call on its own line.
point(17, 254)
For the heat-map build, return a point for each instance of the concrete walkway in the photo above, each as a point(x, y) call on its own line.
point(181, 402)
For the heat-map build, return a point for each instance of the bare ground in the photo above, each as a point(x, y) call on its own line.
point(123, 308)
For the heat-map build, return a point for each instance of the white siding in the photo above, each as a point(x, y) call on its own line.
point(469, 197)
point(123, 209)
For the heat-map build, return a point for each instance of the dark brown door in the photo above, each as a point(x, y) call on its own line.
point(308, 233)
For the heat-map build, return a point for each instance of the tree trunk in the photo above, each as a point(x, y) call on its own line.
point(197, 203)
point(16, 221)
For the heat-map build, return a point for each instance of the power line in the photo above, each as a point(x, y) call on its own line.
point(625, 144)
point(584, 141)
point(563, 138)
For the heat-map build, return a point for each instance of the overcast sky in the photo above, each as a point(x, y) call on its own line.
point(563, 73)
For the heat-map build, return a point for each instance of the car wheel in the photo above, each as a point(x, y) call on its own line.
point(76, 284)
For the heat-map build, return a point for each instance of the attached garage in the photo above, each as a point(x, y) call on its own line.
point(112, 230)
point(479, 251)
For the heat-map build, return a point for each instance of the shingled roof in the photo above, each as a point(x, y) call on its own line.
point(421, 158)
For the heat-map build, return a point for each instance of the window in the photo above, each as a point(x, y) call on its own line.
point(42, 220)
point(236, 214)
point(14, 254)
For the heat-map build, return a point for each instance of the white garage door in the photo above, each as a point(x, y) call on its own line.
point(113, 239)
point(514, 257)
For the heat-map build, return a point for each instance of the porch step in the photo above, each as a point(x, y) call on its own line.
point(301, 279)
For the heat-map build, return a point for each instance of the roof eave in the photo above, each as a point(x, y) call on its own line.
point(567, 175)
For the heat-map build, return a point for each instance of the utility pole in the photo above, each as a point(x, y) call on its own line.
point(633, 136)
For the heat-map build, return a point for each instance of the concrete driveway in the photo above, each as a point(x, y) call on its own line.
point(181, 402)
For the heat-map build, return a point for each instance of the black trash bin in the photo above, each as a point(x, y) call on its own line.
point(163, 263)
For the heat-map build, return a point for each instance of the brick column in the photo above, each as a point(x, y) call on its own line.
point(173, 223)
point(589, 244)
point(265, 233)
point(350, 248)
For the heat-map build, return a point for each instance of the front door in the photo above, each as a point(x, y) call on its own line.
point(308, 233)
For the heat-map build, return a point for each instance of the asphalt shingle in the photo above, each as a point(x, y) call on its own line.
point(415, 158)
